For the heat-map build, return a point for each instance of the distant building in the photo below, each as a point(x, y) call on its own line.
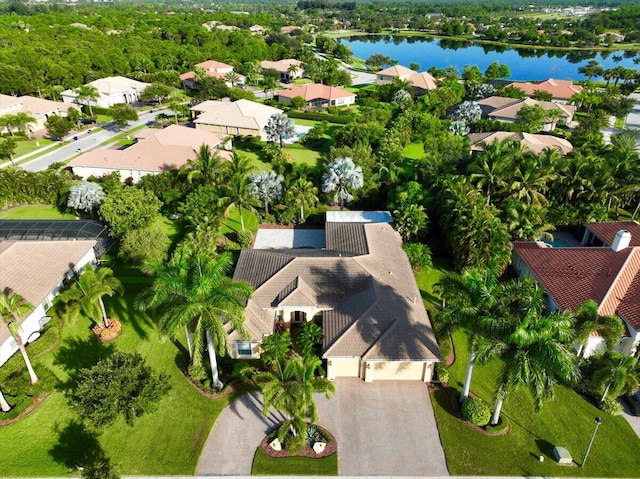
point(421, 82)
point(506, 109)
point(37, 108)
point(289, 28)
point(560, 90)
point(532, 142)
point(256, 29)
point(111, 90)
point(212, 68)
point(317, 96)
point(284, 68)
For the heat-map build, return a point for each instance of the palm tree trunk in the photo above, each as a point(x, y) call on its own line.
point(302, 213)
point(266, 206)
point(4, 405)
point(496, 412)
point(606, 391)
point(32, 373)
point(215, 379)
point(189, 341)
point(241, 218)
point(90, 109)
point(104, 313)
point(635, 212)
point(467, 376)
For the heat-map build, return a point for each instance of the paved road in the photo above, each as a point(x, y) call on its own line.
point(633, 118)
point(382, 428)
point(85, 143)
point(358, 77)
point(634, 421)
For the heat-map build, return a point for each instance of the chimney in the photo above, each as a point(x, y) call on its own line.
point(621, 240)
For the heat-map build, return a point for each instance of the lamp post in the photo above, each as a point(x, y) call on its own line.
point(593, 436)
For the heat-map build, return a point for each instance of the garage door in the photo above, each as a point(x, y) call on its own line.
point(343, 368)
point(395, 370)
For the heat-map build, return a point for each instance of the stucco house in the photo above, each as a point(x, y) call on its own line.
point(111, 91)
point(421, 82)
point(317, 96)
point(212, 68)
point(284, 68)
point(354, 280)
point(154, 151)
point(241, 117)
point(535, 143)
point(256, 29)
point(37, 108)
point(506, 109)
point(604, 268)
point(37, 259)
point(561, 90)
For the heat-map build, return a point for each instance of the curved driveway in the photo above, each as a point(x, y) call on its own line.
point(385, 428)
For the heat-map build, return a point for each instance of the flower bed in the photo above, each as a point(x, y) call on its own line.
point(331, 448)
point(108, 334)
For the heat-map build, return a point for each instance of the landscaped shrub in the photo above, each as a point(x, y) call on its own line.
point(611, 406)
point(19, 187)
point(245, 238)
point(294, 444)
point(243, 371)
point(419, 255)
point(442, 373)
point(476, 411)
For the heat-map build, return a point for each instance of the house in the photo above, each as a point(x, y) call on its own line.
point(317, 96)
point(241, 117)
point(289, 29)
point(535, 143)
point(506, 109)
point(111, 91)
point(421, 82)
point(353, 279)
point(154, 151)
point(561, 90)
point(211, 68)
point(604, 268)
point(284, 68)
point(37, 108)
point(257, 29)
point(38, 258)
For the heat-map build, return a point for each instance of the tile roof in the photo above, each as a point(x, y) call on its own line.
point(424, 81)
point(33, 269)
point(535, 143)
point(239, 114)
point(607, 230)
point(629, 307)
point(508, 107)
point(315, 91)
point(210, 65)
point(372, 304)
point(349, 237)
point(560, 89)
point(281, 65)
point(396, 71)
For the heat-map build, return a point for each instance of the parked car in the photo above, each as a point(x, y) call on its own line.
point(633, 400)
point(87, 121)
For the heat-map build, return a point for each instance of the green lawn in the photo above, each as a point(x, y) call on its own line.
point(35, 212)
point(28, 146)
point(166, 441)
point(102, 118)
point(232, 223)
point(301, 154)
point(567, 421)
point(265, 465)
point(414, 151)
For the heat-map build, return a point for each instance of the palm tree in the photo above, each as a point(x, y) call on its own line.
point(309, 339)
point(289, 388)
point(490, 168)
point(193, 293)
point(266, 186)
point(86, 293)
point(342, 174)
point(617, 373)
point(589, 321)
point(467, 298)
point(268, 85)
point(238, 188)
point(233, 78)
point(533, 346)
point(8, 121)
point(292, 71)
point(13, 309)
point(4, 405)
point(87, 93)
point(276, 347)
point(302, 194)
point(22, 120)
point(207, 167)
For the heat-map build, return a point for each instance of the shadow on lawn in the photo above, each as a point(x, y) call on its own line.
point(129, 316)
point(77, 446)
point(75, 353)
point(447, 399)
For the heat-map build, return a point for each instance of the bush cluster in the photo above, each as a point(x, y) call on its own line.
point(476, 411)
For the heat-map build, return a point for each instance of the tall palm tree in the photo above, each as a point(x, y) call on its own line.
point(266, 185)
point(206, 167)
point(302, 194)
point(490, 169)
point(87, 93)
point(292, 71)
point(589, 321)
point(8, 121)
point(4, 405)
point(192, 292)
point(233, 78)
point(13, 309)
point(22, 121)
point(342, 175)
point(237, 190)
point(617, 373)
point(86, 293)
point(534, 347)
point(276, 347)
point(289, 388)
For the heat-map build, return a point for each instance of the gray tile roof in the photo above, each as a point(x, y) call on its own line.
point(348, 237)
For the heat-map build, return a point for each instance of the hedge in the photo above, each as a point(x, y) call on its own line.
point(310, 115)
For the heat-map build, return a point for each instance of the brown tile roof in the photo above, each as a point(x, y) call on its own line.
point(509, 108)
point(607, 230)
point(315, 91)
point(629, 307)
point(281, 66)
point(211, 65)
point(423, 81)
point(33, 268)
point(627, 273)
point(396, 71)
point(560, 89)
point(348, 237)
point(535, 143)
point(371, 302)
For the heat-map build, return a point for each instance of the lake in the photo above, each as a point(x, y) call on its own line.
point(525, 64)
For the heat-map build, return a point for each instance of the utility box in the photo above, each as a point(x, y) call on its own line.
point(562, 455)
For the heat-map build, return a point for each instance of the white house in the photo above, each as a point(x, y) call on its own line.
point(317, 96)
point(37, 108)
point(111, 91)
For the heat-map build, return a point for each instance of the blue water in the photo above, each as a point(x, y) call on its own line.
point(557, 243)
point(525, 64)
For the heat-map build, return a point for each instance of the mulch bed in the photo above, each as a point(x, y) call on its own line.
point(108, 334)
point(226, 391)
point(453, 409)
point(36, 402)
point(331, 448)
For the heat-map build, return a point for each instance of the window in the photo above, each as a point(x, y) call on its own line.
point(244, 349)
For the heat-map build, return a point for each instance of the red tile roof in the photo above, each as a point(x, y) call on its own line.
point(607, 231)
point(629, 307)
point(560, 89)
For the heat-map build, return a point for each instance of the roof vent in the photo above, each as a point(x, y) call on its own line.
point(621, 240)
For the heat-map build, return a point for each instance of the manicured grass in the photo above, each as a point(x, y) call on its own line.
point(265, 465)
point(567, 421)
point(302, 154)
point(414, 151)
point(35, 212)
point(166, 441)
point(27, 146)
point(301, 81)
point(101, 118)
point(232, 223)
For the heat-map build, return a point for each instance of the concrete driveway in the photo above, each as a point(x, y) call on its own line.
point(382, 428)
